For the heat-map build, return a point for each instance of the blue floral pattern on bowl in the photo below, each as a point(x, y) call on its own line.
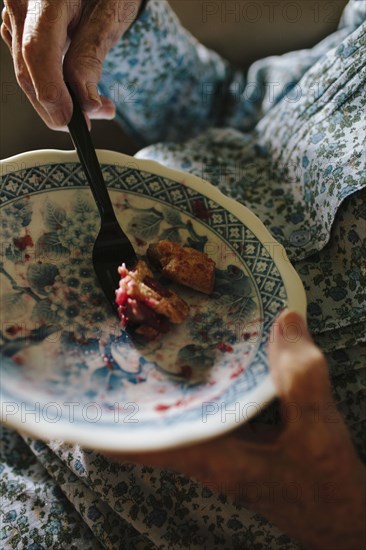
point(68, 370)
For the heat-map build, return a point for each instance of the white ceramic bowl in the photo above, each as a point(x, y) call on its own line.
point(68, 371)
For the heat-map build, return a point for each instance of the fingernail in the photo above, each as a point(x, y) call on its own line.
point(93, 94)
point(95, 97)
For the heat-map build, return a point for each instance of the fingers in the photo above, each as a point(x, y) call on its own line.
point(14, 14)
point(207, 462)
point(44, 43)
point(191, 461)
point(36, 59)
point(6, 28)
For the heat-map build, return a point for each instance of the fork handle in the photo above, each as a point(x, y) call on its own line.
point(81, 138)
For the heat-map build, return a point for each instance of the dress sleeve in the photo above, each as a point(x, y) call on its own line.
point(168, 87)
point(165, 84)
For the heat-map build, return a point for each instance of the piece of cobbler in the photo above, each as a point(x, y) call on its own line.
point(145, 306)
point(183, 264)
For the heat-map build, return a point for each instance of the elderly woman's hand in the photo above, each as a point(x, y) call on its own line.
point(306, 477)
point(56, 40)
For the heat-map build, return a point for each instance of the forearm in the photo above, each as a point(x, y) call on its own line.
point(325, 512)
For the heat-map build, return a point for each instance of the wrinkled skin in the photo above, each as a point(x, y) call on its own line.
point(53, 41)
point(304, 476)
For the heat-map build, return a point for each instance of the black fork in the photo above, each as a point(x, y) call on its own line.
point(112, 246)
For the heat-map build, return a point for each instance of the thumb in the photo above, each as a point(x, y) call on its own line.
point(298, 367)
point(100, 27)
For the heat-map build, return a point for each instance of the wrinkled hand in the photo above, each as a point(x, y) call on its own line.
point(306, 477)
point(56, 40)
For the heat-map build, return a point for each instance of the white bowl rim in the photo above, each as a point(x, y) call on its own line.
point(188, 433)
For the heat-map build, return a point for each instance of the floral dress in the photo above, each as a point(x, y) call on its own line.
point(287, 139)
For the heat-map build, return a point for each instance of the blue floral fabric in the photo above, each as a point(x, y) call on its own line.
point(287, 139)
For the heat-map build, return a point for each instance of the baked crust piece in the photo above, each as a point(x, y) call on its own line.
point(145, 306)
point(183, 265)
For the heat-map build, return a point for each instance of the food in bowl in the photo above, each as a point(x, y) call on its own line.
point(145, 306)
point(183, 264)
